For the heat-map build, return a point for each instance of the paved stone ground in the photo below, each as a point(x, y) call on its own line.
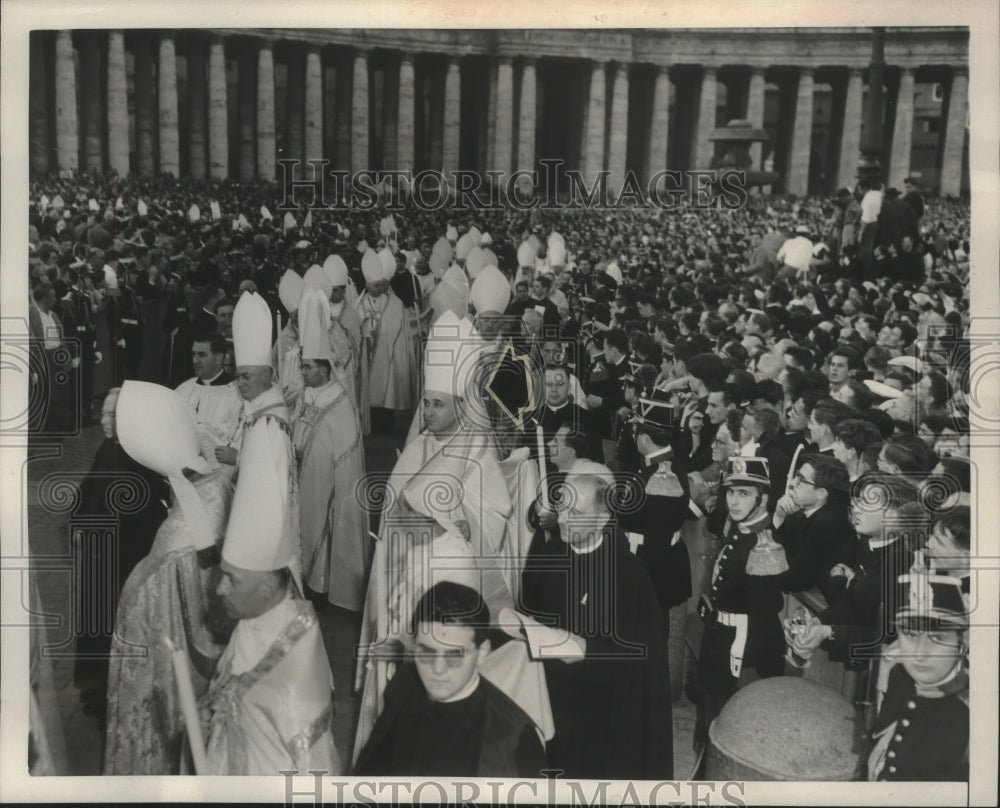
point(49, 540)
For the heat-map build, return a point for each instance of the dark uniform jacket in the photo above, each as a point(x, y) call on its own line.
point(813, 544)
point(925, 737)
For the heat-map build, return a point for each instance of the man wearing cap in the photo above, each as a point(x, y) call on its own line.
point(286, 347)
point(387, 346)
point(741, 611)
point(922, 729)
point(169, 593)
point(264, 424)
point(662, 491)
point(605, 655)
point(269, 706)
point(328, 446)
point(212, 395)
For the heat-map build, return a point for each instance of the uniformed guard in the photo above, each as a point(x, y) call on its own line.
point(922, 729)
point(741, 611)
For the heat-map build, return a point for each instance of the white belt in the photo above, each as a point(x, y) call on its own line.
point(739, 622)
point(130, 322)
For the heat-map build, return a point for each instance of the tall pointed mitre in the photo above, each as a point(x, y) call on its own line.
point(462, 247)
point(336, 270)
point(388, 263)
point(290, 290)
point(452, 292)
point(526, 255)
point(252, 331)
point(371, 266)
point(490, 292)
point(257, 538)
point(316, 278)
point(475, 261)
point(450, 355)
point(156, 428)
point(314, 325)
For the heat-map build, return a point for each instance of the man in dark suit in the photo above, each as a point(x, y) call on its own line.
point(811, 522)
point(441, 717)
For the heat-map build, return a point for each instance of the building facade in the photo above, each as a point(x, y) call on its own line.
point(233, 102)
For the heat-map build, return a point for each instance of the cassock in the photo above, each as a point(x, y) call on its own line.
point(217, 406)
point(483, 734)
point(612, 710)
point(388, 346)
point(170, 593)
point(112, 470)
point(335, 545)
point(269, 706)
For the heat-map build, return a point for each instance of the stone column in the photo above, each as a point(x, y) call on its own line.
point(265, 112)
point(67, 133)
point(902, 133)
point(661, 121)
point(38, 99)
point(167, 95)
point(90, 100)
point(850, 138)
point(295, 107)
point(218, 117)
point(954, 134)
point(504, 122)
point(619, 127)
point(594, 160)
point(117, 104)
point(246, 112)
point(491, 118)
point(405, 127)
point(196, 134)
point(797, 181)
point(359, 112)
point(526, 116)
point(314, 106)
point(755, 112)
point(702, 148)
point(145, 163)
point(452, 117)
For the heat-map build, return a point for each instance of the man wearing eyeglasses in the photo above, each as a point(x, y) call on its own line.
point(442, 717)
point(811, 521)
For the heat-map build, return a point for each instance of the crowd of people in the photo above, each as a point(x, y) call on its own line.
point(586, 396)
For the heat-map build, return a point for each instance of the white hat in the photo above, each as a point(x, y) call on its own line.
point(451, 234)
point(307, 223)
point(525, 255)
point(452, 293)
point(110, 277)
point(92, 205)
point(438, 264)
point(265, 213)
point(168, 448)
point(371, 266)
point(614, 271)
point(490, 291)
point(243, 223)
point(252, 331)
point(476, 235)
point(465, 243)
point(336, 270)
point(314, 325)
point(290, 290)
point(257, 538)
point(485, 240)
point(557, 250)
point(316, 278)
point(911, 362)
point(883, 390)
point(491, 258)
point(387, 226)
point(475, 261)
point(141, 208)
point(802, 230)
point(288, 223)
point(388, 263)
point(194, 215)
point(449, 358)
point(216, 210)
point(443, 248)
